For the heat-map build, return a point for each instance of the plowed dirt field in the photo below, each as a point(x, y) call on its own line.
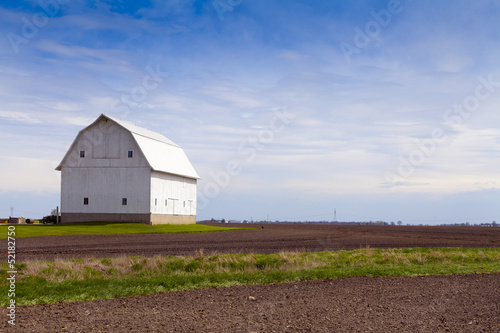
point(265, 238)
point(459, 303)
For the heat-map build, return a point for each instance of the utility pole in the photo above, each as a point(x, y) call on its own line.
point(335, 215)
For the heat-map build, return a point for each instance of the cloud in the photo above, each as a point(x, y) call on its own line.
point(80, 121)
point(403, 183)
point(20, 117)
point(236, 98)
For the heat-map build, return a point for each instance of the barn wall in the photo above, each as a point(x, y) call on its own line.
point(105, 188)
point(172, 195)
point(105, 145)
point(105, 174)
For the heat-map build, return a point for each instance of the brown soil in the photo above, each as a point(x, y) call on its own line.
point(461, 303)
point(266, 238)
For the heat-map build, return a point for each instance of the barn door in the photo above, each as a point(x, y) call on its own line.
point(175, 206)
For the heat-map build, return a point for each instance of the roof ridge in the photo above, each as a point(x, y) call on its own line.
point(168, 143)
point(141, 131)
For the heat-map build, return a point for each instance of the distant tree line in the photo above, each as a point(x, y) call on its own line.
point(492, 224)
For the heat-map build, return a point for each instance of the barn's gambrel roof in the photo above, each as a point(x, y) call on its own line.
point(162, 154)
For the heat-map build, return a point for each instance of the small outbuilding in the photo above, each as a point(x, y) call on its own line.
point(116, 171)
point(17, 220)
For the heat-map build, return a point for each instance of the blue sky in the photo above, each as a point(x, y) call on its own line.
point(382, 110)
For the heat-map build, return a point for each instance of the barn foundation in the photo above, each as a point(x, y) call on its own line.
point(152, 219)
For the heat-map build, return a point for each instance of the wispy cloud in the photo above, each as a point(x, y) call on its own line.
point(19, 117)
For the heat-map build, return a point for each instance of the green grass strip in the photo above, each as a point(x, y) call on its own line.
point(91, 279)
point(106, 228)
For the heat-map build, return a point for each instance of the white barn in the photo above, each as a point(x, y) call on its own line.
point(116, 171)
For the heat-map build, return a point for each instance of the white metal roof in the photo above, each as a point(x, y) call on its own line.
point(161, 153)
point(139, 130)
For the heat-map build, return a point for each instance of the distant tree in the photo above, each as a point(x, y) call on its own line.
point(53, 211)
point(400, 222)
point(494, 223)
point(223, 221)
point(392, 223)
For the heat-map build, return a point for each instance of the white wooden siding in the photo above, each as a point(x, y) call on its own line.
point(104, 146)
point(180, 193)
point(105, 188)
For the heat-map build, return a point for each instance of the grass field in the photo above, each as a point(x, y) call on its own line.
point(89, 279)
point(106, 228)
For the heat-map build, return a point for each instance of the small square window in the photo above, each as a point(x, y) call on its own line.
point(130, 154)
point(156, 202)
point(82, 153)
point(166, 202)
point(85, 201)
point(124, 201)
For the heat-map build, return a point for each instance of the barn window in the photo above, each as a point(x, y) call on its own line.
point(184, 203)
point(124, 201)
point(156, 202)
point(85, 201)
point(130, 154)
point(82, 153)
point(166, 202)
